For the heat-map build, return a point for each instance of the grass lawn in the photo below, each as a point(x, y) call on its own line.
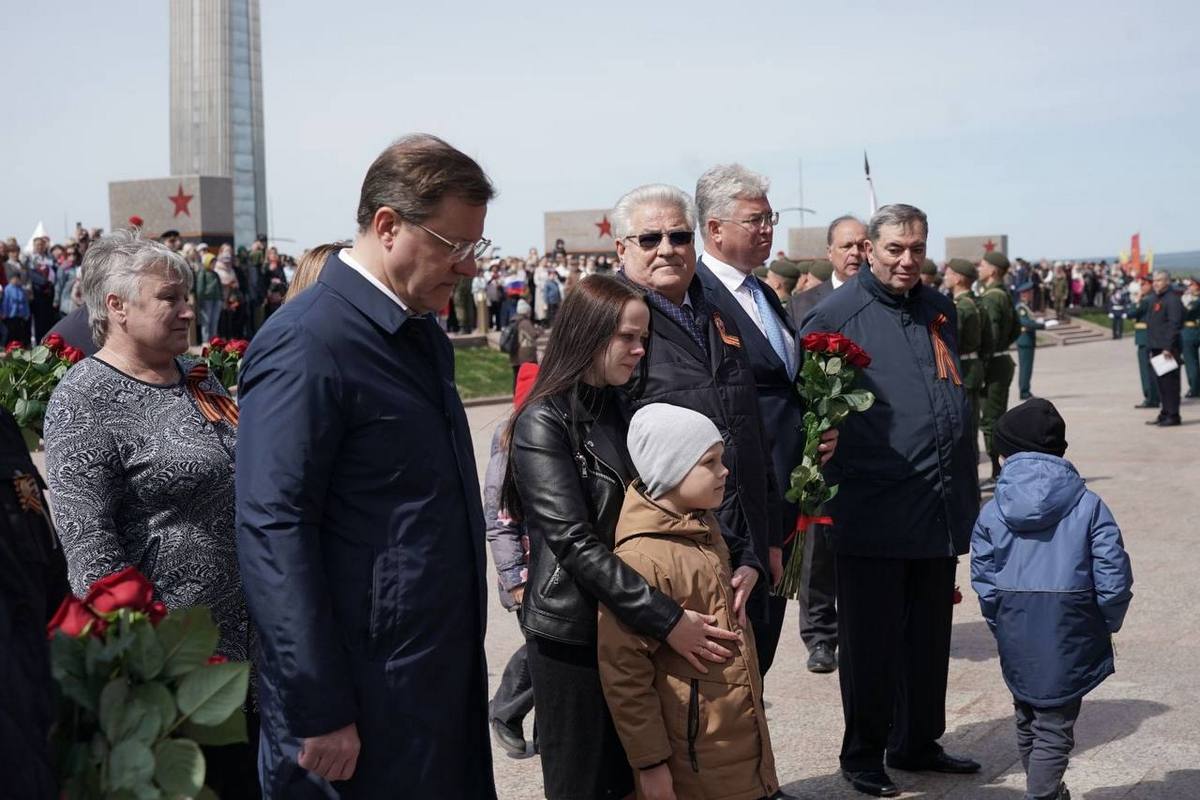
point(1095, 315)
point(482, 372)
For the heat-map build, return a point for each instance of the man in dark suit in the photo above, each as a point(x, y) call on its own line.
point(907, 497)
point(1164, 324)
point(694, 359)
point(844, 241)
point(359, 525)
point(738, 224)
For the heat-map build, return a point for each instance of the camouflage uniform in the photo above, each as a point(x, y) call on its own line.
point(997, 305)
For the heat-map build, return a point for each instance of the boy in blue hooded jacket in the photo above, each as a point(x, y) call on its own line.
point(1053, 580)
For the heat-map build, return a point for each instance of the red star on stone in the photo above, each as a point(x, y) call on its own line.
point(989, 246)
point(181, 201)
point(605, 227)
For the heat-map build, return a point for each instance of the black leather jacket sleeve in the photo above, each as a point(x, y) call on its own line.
point(556, 511)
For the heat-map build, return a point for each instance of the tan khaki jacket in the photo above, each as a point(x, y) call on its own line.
point(710, 728)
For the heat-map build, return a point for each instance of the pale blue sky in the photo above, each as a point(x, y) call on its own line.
point(1066, 125)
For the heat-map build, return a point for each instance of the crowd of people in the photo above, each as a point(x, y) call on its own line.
point(636, 497)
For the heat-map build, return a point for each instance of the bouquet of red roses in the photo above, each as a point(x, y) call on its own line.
point(139, 691)
point(826, 382)
point(224, 358)
point(28, 378)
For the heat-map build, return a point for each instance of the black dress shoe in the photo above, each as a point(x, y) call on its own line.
point(942, 762)
point(1146, 404)
point(874, 782)
point(822, 659)
point(513, 741)
point(1170, 422)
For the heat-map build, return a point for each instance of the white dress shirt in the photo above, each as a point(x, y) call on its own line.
point(349, 261)
point(735, 281)
point(837, 282)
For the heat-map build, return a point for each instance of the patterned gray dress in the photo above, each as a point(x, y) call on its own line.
point(139, 477)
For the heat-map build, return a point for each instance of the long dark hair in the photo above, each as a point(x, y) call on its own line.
point(583, 327)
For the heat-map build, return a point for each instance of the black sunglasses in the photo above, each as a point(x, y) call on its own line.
point(652, 239)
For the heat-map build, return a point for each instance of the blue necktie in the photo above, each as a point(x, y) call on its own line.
point(774, 330)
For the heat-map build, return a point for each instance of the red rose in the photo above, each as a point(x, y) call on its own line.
point(815, 342)
point(125, 589)
point(13, 345)
point(858, 357)
point(237, 346)
point(836, 343)
point(217, 658)
point(156, 612)
point(73, 355)
point(957, 597)
point(217, 341)
point(73, 618)
point(54, 342)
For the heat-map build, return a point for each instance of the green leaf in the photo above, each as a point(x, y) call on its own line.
point(141, 722)
point(209, 694)
point(231, 731)
point(67, 656)
point(146, 655)
point(79, 690)
point(188, 638)
point(113, 699)
point(129, 764)
point(859, 400)
point(833, 366)
point(180, 767)
point(40, 355)
point(157, 698)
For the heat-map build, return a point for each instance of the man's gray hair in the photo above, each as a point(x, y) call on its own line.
point(652, 194)
point(115, 264)
point(896, 214)
point(1161, 273)
point(833, 226)
point(722, 186)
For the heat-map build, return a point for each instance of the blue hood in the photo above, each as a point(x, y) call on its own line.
point(1036, 491)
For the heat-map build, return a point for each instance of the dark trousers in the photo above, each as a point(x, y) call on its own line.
point(768, 627)
point(818, 590)
point(1118, 326)
point(894, 618)
point(1149, 384)
point(1168, 392)
point(514, 697)
point(232, 769)
point(494, 314)
point(1025, 371)
point(1191, 360)
point(1045, 738)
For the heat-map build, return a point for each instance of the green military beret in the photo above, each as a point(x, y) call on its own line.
point(929, 267)
point(785, 269)
point(964, 268)
point(821, 269)
point(997, 260)
point(803, 267)
point(760, 272)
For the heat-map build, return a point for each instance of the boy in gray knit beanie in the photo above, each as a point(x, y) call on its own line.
point(668, 534)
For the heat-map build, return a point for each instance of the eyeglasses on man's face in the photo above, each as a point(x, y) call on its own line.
point(652, 239)
point(767, 219)
point(459, 251)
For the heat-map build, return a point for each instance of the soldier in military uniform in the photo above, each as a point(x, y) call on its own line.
point(1062, 291)
point(782, 276)
point(974, 335)
point(1027, 339)
point(929, 274)
point(1140, 338)
point(33, 582)
point(1191, 336)
point(998, 374)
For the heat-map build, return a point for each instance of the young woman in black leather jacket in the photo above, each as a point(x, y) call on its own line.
point(568, 470)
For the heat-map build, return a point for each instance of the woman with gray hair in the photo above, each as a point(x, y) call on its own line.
point(140, 453)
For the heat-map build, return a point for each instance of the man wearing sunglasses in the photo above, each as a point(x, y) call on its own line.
point(359, 524)
point(738, 226)
point(696, 359)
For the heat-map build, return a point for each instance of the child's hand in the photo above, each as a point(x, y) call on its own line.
point(655, 783)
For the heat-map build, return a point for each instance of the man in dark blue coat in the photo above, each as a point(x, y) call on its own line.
point(359, 526)
point(907, 498)
point(738, 226)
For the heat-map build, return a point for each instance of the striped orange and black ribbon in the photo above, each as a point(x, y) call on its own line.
point(941, 352)
point(215, 407)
